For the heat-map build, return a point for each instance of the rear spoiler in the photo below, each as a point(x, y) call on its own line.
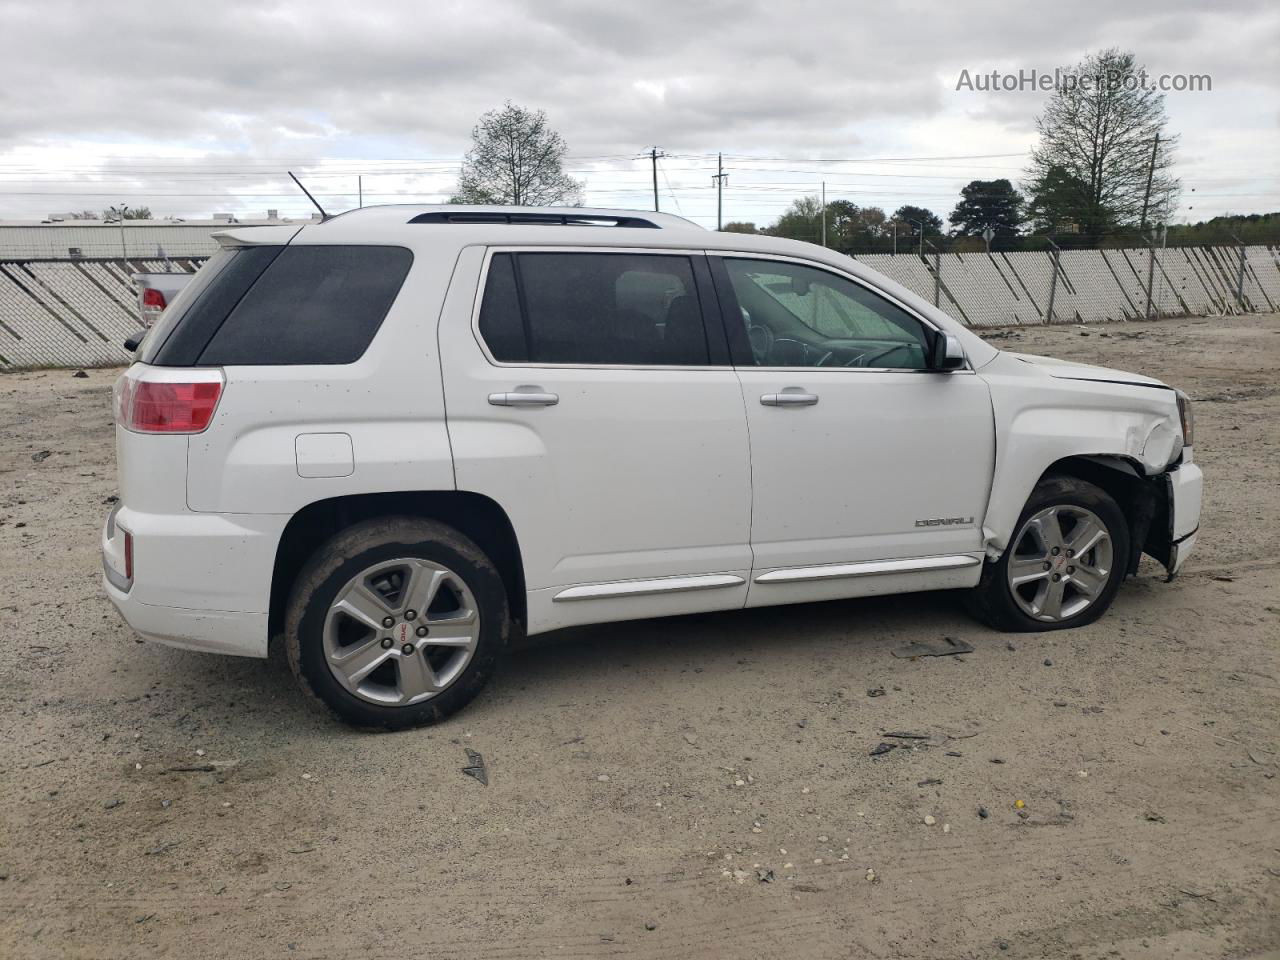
point(257, 236)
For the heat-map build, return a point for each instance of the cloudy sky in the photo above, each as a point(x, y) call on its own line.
point(191, 108)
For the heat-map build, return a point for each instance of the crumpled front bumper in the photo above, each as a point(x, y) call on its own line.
point(1185, 486)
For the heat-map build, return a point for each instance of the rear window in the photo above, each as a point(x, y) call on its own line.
point(288, 305)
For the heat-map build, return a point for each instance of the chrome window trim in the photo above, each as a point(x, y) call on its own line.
point(491, 251)
point(877, 291)
point(618, 589)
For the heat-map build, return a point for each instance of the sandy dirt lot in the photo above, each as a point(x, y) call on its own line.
point(694, 787)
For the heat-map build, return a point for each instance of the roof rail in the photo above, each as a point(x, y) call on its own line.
point(560, 219)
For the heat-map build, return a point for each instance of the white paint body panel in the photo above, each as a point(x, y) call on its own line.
point(648, 481)
point(846, 479)
point(634, 473)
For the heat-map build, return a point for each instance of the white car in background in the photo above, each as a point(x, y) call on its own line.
point(399, 438)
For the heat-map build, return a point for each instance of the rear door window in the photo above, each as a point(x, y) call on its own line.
point(312, 304)
point(612, 309)
point(194, 317)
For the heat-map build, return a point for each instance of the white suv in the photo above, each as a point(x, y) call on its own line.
point(399, 438)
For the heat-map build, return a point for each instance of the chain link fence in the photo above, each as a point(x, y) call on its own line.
point(1089, 286)
point(76, 313)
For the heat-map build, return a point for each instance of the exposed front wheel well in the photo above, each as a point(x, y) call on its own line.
point(474, 515)
point(1143, 499)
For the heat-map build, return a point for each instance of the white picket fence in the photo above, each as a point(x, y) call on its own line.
point(77, 313)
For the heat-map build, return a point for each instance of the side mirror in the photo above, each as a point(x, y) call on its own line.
point(948, 354)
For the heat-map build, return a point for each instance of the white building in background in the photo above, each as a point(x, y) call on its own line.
point(58, 237)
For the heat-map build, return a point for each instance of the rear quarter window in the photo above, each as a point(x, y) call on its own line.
point(312, 304)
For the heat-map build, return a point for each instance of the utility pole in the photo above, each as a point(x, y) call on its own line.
point(360, 189)
point(124, 251)
point(824, 213)
point(719, 177)
point(1151, 172)
point(895, 238)
point(653, 156)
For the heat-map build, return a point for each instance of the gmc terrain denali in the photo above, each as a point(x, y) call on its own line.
point(398, 438)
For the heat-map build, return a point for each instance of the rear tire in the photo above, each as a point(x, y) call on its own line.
point(1064, 564)
point(357, 642)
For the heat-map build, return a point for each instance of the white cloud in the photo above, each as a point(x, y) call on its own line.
point(135, 98)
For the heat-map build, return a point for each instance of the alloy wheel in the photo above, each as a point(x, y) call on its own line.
point(1061, 563)
point(401, 631)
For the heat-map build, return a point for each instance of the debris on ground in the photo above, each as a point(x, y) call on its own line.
point(80, 375)
point(983, 813)
point(41, 455)
point(882, 748)
point(931, 782)
point(875, 692)
point(929, 820)
point(944, 647)
point(475, 767)
point(906, 735)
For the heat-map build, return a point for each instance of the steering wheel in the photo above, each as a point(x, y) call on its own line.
point(761, 339)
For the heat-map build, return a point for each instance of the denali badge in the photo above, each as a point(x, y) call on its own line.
point(945, 522)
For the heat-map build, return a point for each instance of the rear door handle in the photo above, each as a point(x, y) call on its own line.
point(791, 397)
point(524, 397)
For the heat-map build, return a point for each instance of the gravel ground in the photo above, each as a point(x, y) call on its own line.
point(692, 787)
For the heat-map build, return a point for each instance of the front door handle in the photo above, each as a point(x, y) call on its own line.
point(791, 397)
point(524, 397)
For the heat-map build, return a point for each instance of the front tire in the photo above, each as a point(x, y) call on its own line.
point(396, 622)
point(1064, 564)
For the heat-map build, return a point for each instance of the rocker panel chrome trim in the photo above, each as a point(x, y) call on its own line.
point(639, 588)
point(869, 568)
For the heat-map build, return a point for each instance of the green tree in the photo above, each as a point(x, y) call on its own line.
point(913, 216)
point(984, 203)
point(1099, 130)
point(851, 228)
point(801, 221)
point(1063, 203)
point(739, 226)
point(516, 159)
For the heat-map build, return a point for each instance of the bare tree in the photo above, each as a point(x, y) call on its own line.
point(1098, 130)
point(515, 159)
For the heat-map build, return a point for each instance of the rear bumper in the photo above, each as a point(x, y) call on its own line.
point(200, 581)
point(209, 631)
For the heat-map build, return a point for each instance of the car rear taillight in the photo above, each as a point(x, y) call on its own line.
point(161, 405)
point(128, 556)
point(153, 304)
